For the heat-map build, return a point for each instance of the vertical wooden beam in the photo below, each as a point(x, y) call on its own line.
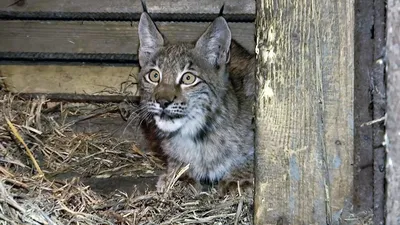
point(393, 113)
point(370, 99)
point(363, 139)
point(304, 111)
point(378, 93)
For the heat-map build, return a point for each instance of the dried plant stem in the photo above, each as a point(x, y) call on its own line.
point(28, 151)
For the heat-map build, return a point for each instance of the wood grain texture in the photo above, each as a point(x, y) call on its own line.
point(100, 37)
point(67, 79)
point(129, 6)
point(393, 114)
point(304, 111)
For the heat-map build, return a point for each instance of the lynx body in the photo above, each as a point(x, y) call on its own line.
point(199, 97)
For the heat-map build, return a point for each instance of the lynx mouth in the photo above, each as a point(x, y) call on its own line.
point(170, 116)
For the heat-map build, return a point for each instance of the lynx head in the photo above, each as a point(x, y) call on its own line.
point(182, 84)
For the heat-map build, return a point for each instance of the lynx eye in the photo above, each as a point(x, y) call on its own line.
point(188, 78)
point(154, 76)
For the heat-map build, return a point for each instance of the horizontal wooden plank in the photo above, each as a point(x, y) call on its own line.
point(100, 37)
point(130, 6)
point(70, 79)
point(122, 9)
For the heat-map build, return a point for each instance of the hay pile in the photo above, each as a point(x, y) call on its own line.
point(51, 185)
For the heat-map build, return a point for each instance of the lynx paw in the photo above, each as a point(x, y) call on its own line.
point(231, 186)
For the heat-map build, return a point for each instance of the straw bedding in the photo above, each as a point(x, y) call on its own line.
point(51, 172)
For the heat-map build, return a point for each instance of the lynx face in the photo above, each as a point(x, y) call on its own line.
point(179, 84)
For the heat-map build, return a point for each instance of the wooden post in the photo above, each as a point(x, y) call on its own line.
point(304, 111)
point(393, 114)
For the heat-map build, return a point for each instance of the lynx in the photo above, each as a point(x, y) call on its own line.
point(199, 97)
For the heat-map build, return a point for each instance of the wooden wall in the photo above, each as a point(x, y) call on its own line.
point(89, 47)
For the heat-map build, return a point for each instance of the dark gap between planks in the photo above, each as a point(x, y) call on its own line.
point(90, 16)
point(81, 98)
point(69, 57)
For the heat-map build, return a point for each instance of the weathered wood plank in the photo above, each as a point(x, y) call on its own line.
point(393, 114)
point(304, 111)
point(100, 37)
point(129, 6)
point(70, 79)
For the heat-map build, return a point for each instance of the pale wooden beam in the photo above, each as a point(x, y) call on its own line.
point(393, 114)
point(304, 111)
point(80, 80)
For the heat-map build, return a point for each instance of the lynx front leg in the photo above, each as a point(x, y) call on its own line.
point(165, 178)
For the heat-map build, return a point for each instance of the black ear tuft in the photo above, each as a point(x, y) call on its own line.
point(221, 11)
point(144, 6)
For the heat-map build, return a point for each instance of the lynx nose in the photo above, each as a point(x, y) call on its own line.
point(164, 103)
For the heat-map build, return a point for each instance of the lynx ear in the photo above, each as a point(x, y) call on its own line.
point(214, 43)
point(150, 38)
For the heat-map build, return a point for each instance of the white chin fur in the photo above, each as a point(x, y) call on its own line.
point(169, 125)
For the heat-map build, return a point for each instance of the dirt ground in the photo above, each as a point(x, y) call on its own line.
point(64, 163)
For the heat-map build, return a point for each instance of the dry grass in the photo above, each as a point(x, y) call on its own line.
point(47, 187)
